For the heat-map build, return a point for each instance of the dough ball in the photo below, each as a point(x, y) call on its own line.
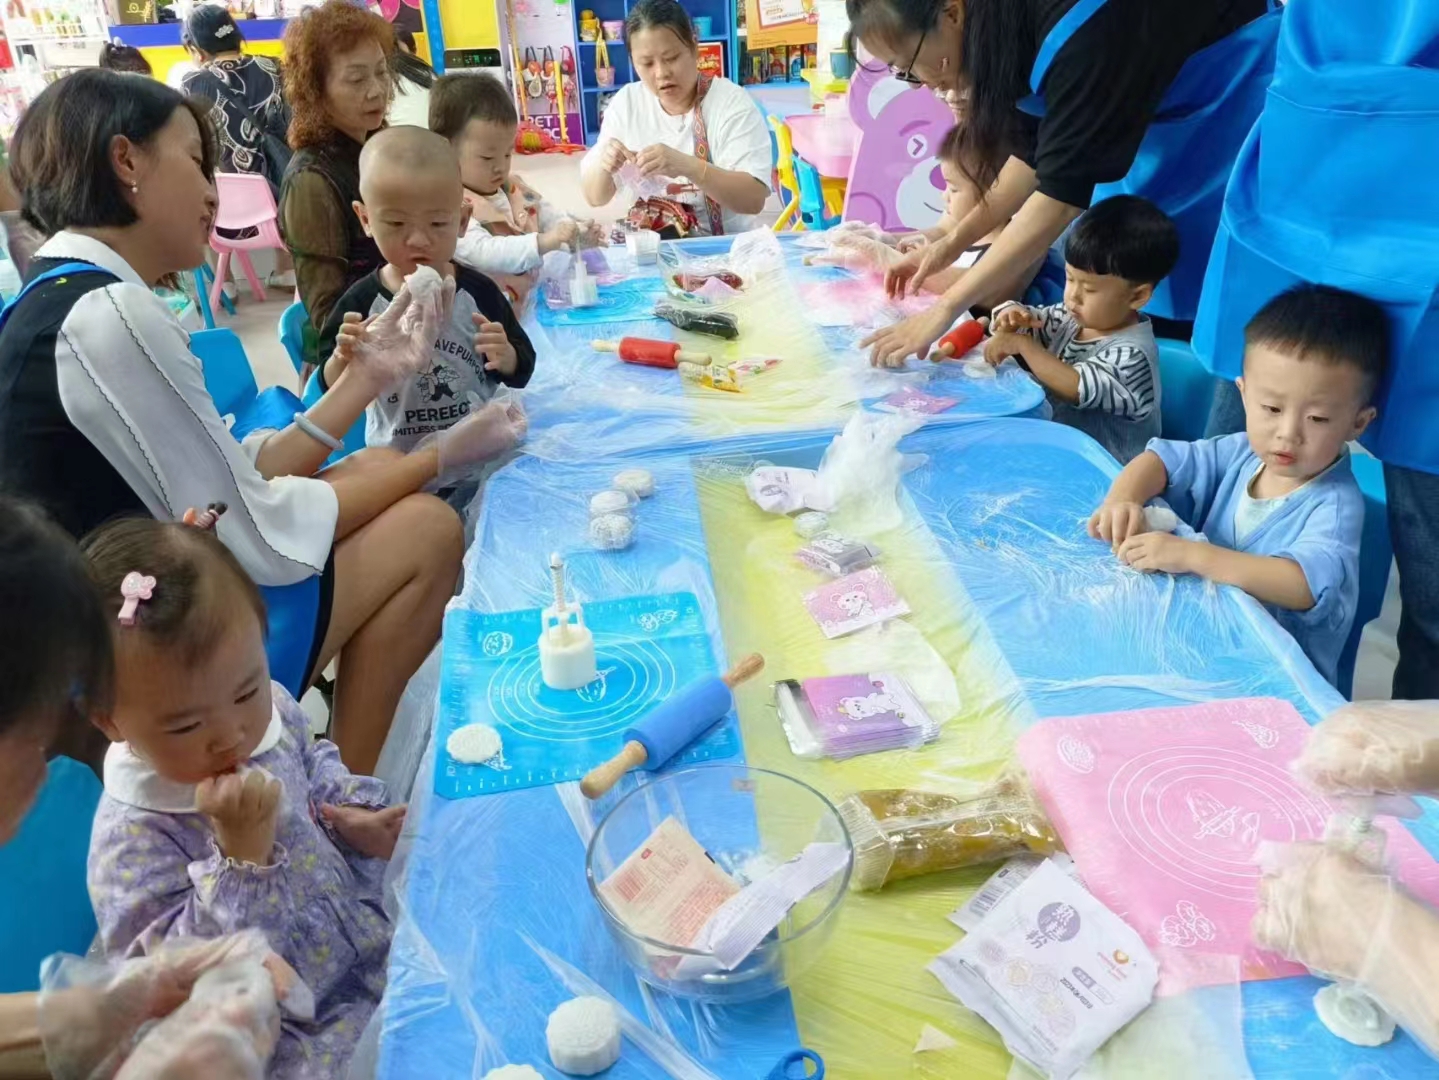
point(474, 744)
point(1353, 1015)
point(611, 501)
point(811, 523)
point(425, 283)
point(979, 369)
point(515, 1072)
point(1160, 519)
point(612, 532)
point(583, 1035)
point(640, 483)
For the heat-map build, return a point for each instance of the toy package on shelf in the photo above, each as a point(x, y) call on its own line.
point(843, 716)
point(901, 833)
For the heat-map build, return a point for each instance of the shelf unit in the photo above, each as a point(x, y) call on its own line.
point(721, 14)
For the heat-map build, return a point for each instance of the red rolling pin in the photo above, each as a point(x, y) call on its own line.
point(960, 340)
point(650, 352)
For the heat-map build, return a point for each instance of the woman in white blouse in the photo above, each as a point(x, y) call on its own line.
point(705, 133)
point(104, 411)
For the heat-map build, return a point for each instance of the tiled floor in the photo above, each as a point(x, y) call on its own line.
point(557, 178)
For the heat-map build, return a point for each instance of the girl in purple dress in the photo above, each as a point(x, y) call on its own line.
point(221, 812)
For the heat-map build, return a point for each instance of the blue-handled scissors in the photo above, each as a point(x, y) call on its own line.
point(795, 1066)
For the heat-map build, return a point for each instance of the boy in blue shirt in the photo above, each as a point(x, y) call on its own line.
point(1278, 502)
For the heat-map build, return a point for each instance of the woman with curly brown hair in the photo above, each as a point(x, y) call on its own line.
point(338, 82)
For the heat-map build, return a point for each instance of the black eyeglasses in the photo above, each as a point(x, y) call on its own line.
point(906, 74)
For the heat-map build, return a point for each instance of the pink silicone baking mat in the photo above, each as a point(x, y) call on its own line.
point(1163, 811)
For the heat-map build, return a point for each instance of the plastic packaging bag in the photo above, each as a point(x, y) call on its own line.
point(859, 476)
point(900, 833)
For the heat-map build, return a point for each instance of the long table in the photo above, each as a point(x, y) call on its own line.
point(1017, 616)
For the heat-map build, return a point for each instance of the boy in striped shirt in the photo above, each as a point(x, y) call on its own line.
point(1095, 354)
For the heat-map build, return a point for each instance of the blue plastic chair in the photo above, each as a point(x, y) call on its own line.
point(204, 279)
point(228, 375)
point(1375, 556)
point(1185, 391)
point(44, 903)
point(292, 334)
point(811, 196)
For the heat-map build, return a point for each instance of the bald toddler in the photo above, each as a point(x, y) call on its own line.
point(411, 203)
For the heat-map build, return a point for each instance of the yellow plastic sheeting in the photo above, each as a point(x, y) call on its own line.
point(865, 1004)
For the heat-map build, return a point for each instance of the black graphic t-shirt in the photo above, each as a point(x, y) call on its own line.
point(456, 382)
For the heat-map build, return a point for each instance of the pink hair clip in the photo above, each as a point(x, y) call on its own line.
point(134, 588)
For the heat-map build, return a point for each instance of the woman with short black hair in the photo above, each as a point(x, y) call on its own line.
point(104, 410)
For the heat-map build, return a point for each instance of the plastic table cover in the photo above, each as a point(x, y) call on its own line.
point(583, 403)
point(1017, 616)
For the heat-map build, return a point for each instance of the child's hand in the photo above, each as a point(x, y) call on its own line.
point(614, 155)
point(561, 236)
point(350, 337)
point(491, 339)
point(1158, 552)
point(372, 833)
point(905, 244)
point(243, 811)
point(1002, 346)
point(1015, 318)
point(1116, 522)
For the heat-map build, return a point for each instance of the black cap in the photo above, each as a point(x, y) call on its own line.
point(211, 30)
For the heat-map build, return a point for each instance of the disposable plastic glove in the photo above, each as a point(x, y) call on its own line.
point(91, 1012)
point(493, 429)
point(858, 253)
point(1373, 747)
point(399, 342)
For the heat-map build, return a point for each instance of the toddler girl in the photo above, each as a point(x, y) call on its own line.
point(221, 812)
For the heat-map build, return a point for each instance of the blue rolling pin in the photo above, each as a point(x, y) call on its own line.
point(671, 726)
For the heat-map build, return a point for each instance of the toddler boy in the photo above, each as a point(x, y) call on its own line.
point(1278, 502)
point(511, 228)
point(1095, 354)
point(412, 205)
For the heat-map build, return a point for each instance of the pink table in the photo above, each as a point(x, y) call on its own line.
point(825, 142)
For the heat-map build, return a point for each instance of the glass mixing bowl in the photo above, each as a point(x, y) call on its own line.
point(749, 821)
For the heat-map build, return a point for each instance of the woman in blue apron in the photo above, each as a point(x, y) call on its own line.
point(1336, 185)
point(1067, 102)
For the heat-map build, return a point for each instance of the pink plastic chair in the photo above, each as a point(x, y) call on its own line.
point(245, 203)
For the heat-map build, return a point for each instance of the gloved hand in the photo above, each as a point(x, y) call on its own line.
point(399, 342)
point(1373, 747)
point(495, 428)
point(856, 252)
point(91, 1012)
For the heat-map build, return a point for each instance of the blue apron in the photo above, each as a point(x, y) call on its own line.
point(1186, 156)
point(1336, 185)
point(292, 610)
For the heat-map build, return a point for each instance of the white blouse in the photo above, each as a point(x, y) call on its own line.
point(131, 386)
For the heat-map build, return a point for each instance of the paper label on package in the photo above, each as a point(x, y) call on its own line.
point(668, 889)
point(1004, 881)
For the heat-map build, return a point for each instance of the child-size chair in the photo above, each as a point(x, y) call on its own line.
point(246, 202)
point(788, 181)
point(292, 334)
point(1185, 392)
point(228, 375)
point(1375, 555)
point(820, 203)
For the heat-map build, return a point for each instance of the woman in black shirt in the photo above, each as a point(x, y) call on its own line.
point(1070, 101)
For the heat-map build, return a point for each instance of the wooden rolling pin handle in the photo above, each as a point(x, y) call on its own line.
point(605, 346)
point(689, 356)
point(603, 777)
point(747, 668)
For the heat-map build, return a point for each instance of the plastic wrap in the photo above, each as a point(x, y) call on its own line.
point(1016, 615)
point(583, 403)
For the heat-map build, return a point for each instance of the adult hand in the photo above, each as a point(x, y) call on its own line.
point(494, 343)
point(372, 833)
point(913, 242)
point(914, 336)
point(613, 155)
point(495, 428)
point(1001, 346)
point(243, 811)
point(399, 342)
point(1374, 747)
point(658, 159)
point(1116, 522)
point(907, 277)
point(1324, 909)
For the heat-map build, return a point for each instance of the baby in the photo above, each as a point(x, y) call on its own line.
point(511, 228)
point(1278, 503)
point(1095, 354)
point(221, 811)
point(412, 206)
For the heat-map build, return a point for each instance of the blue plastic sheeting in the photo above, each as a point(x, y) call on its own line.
point(999, 510)
point(583, 403)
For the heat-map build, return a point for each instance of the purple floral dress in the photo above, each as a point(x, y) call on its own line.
point(159, 876)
